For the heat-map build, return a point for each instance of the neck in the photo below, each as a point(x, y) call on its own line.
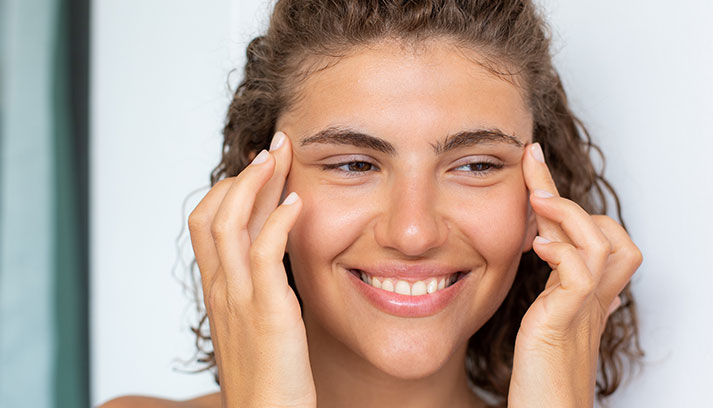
point(343, 378)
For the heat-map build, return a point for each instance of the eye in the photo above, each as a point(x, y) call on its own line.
point(480, 168)
point(351, 167)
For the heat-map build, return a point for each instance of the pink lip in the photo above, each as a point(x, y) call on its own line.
point(408, 306)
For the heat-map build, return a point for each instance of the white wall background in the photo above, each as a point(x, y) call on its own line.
point(159, 71)
point(638, 73)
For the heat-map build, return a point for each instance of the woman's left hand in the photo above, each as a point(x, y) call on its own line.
point(592, 258)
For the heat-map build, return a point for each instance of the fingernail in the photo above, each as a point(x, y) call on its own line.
point(291, 198)
point(543, 194)
point(541, 240)
point(537, 152)
point(277, 141)
point(261, 157)
point(615, 305)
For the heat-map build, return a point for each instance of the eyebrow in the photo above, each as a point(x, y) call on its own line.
point(346, 136)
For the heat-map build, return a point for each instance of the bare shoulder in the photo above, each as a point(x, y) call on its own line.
point(134, 401)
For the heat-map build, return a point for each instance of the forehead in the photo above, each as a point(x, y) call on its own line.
point(397, 92)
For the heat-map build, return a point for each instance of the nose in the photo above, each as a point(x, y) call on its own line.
point(411, 224)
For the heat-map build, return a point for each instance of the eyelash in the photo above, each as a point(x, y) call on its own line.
point(489, 167)
point(348, 173)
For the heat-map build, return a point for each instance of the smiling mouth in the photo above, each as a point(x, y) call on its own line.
point(407, 287)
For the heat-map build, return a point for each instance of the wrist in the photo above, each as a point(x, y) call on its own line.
point(551, 374)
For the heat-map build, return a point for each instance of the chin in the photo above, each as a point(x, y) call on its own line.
point(411, 366)
point(411, 353)
point(401, 348)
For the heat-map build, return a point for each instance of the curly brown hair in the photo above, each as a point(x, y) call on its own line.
point(508, 37)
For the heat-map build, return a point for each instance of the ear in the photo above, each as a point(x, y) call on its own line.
point(531, 229)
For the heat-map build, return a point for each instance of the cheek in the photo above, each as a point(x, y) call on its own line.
point(331, 219)
point(494, 224)
point(494, 221)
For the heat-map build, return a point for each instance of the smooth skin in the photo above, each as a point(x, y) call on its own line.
point(267, 354)
point(416, 205)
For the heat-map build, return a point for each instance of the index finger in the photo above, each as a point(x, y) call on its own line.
point(538, 177)
point(269, 197)
point(199, 223)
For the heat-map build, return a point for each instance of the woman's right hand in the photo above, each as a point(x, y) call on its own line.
point(239, 235)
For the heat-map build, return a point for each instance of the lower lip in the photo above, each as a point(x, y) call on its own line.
point(408, 306)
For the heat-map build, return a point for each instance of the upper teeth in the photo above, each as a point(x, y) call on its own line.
point(403, 287)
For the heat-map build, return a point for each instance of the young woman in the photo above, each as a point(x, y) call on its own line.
point(435, 244)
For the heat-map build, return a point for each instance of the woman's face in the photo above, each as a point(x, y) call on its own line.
point(409, 168)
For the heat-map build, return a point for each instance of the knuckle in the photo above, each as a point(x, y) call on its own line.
point(214, 297)
point(258, 255)
point(200, 216)
point(220, 228)
point(584, 282)
point(602, 248)
point(197, 220)
point(634, 255)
